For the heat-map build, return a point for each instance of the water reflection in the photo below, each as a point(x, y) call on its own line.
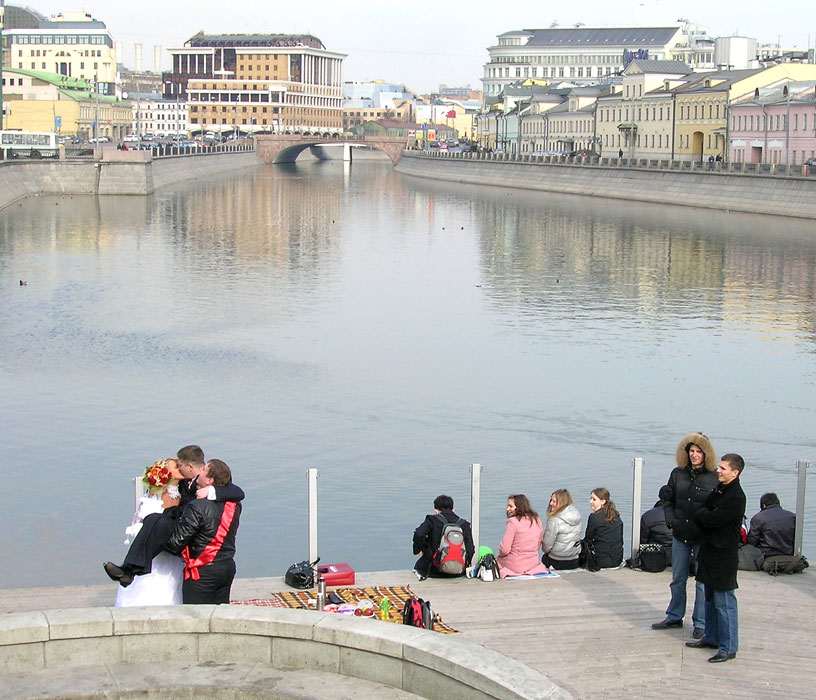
point(389, 331)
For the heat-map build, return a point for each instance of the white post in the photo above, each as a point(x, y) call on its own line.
point(312, 475)
point(346, 151)
point(138, 491)
point(637, 492)
point(801, 467)
point(475, 489)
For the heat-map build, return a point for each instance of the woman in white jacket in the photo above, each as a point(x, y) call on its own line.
point(562, 537)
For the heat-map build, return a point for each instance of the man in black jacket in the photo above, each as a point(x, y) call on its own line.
point(689, 485)
point(429, 534)
point(719, 521)
point(205, 538)
point(773, 528)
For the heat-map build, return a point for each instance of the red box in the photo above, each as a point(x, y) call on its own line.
point(337, 574)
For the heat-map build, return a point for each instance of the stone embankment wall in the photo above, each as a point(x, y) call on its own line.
point(755, 194)
point(235, 650)
point(132, 177)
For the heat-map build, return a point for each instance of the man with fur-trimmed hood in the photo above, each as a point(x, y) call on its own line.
point(690, 484)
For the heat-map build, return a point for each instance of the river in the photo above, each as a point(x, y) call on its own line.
point(388, 331)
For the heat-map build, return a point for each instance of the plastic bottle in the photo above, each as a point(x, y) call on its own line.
point(385, 604)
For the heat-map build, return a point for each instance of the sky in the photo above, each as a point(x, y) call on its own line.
point(426, 45)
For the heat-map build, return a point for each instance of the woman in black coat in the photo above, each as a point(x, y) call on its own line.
point(605, 530)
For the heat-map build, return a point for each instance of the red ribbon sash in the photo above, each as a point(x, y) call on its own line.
point(213, 547)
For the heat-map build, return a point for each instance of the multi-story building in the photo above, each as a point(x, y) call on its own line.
point(73, 44)
point(571, 125)
point(152, 114)
point(38, 101)
point(258, 82)
point(355, 112)
point(774, 125)
point(586, 55)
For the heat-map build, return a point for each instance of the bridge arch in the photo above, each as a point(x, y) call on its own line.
point(284, 148)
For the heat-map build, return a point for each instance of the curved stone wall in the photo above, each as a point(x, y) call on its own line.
point(427, 664)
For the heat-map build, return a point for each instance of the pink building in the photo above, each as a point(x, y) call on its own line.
point(774, 125)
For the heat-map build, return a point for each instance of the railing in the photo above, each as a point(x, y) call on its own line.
point(733, 168)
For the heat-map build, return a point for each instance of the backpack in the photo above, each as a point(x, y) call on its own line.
point(784, 564)
point(449, 557)
point(418, 613)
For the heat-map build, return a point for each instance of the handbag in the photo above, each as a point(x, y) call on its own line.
point(301, 575)
point(650, 557)
point(587, 557)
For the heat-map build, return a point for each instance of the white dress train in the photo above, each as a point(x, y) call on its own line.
point(162, 586)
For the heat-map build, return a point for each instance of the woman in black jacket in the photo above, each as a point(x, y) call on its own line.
point(605, 530)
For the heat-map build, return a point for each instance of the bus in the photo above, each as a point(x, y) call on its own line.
point(29, 144)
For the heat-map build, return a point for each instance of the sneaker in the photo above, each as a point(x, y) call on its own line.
point(419, 576)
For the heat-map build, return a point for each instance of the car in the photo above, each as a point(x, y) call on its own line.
point(99, 139)
point(810, 161)
point(132, 138)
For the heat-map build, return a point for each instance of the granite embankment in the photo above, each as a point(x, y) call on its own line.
point(777, 195)
point(137, 175)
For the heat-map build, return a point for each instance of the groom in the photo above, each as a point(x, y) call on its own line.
point(157, 527)
point(205, 537)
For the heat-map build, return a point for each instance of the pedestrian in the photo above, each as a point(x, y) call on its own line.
point(620, 153)
point(773, 528)
point(689, 485)
point(719, 521)
point(428, 537)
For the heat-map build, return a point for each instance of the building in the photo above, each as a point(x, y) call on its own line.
point(570, 126)
point(410, 131)
point(774, 125)
point(355, 112)
point(39, 101)
point(154, 115)
point(71, 44)
point(258, 82)
point(584, 55)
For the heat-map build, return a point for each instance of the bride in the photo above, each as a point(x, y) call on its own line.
point(162, 586)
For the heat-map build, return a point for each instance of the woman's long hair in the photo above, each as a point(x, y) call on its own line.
point(608, 509)
point(523, 507)
point(562, 500)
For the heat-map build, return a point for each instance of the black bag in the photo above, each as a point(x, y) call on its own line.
point(587, 558)
point(784, 564)
point(649, 557)
point(301, 575)
point(418, 613)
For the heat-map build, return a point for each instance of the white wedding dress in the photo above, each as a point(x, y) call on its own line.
point(162, 586)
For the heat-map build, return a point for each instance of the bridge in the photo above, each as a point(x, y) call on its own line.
point(275, 148)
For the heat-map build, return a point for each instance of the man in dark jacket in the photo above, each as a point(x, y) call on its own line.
point(689, 485)
point(429, 534)
point(655, 530)
point(205, 538)
point(772, 529)
point(719, 521)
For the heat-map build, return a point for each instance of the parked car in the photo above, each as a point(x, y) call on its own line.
point(810, 161)
point(132, 138)
point(99, 139)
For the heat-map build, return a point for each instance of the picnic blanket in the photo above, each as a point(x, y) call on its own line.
point(397, 595)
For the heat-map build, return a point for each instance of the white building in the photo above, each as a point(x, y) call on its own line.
point(158, 116)
point(735, 53)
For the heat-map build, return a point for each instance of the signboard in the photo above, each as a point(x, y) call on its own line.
point(635, 55)
point(57, 121)
point(431, 134)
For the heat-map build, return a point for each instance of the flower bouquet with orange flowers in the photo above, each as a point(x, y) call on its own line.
point(157, 476)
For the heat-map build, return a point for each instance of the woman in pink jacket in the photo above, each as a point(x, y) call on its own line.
point(519, 548)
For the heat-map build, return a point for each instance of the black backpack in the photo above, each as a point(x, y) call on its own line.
point(301, 575)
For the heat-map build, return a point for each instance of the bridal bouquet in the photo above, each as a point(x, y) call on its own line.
point(157, 476)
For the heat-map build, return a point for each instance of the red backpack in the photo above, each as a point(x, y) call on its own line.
point(449, 557)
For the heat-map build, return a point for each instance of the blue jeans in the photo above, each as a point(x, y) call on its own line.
point(721, 620)
point(681, 560)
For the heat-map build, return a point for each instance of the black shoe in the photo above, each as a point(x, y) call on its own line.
point(116, 573)
point(698, 633)
point(719, 657)
point(702, 644)
point(666, 624)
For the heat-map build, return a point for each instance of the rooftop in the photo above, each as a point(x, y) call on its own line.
point(235, 40)
point(627, 37)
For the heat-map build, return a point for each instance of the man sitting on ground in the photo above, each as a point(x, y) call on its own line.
point(451, 559)
point(772, 529)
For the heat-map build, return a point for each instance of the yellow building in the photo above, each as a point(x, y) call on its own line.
point(36, 101)
point(71, 44)
point(254, 82)
point(702, 105)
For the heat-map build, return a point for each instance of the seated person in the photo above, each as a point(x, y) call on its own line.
point(562, 537)
point(655, 530)
point(772, 529)
point(428, 536)
point(519, 548)
point(605, 530)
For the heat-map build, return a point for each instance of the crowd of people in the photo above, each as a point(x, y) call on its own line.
point(696, 523)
